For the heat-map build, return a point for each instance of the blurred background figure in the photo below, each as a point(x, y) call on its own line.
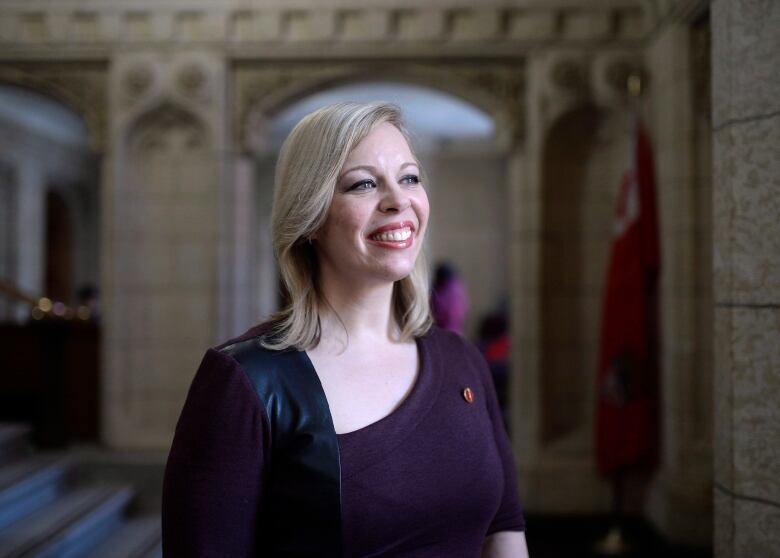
point(494, 342)
point(449, 301)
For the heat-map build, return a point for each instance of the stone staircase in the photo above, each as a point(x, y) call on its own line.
point(46, 513)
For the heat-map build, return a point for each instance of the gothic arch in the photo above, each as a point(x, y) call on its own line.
point(81, 89)
point(497, 88)
point(262, 91)
point(165, 115)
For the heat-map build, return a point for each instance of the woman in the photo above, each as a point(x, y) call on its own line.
point(346, 425)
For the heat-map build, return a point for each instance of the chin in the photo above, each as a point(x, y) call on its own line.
point(395, 273)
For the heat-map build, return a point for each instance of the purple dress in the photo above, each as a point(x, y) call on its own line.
point(433, 478)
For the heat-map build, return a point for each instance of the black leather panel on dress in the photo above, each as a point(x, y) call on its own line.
point(302, 503)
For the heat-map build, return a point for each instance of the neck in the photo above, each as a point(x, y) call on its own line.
point(364, 310)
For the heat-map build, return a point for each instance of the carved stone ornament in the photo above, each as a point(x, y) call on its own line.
point(267, 88)
point(569, 76)
point(81, 87)
point(192, 81)
point(337, 23)
point(137, 81)
point(498, 88)
point(151, 129)
point(506, 83)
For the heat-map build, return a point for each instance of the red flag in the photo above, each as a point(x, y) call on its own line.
point(627, 409)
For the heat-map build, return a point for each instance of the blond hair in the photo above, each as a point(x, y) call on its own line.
point(306, 173)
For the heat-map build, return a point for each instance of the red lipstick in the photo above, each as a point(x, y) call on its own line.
point(393, 244)
point(392, 227)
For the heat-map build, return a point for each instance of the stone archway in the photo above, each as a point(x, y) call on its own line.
point(497, 88)
point(81, 87)
point(50, 245)
point(262, 90)
point(71, 168)
point(48, 147)
point(164, 274)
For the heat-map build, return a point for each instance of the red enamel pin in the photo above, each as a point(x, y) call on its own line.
point(468, 395)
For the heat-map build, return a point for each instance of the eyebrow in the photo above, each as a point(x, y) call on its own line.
point(372, 169)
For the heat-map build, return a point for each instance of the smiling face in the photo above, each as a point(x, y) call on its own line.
point(377, 219)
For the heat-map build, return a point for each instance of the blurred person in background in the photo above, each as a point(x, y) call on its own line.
point(494, 343)
point(449, 300)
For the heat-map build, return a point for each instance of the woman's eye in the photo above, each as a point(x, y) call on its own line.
point(363, 185)
point(411, 179)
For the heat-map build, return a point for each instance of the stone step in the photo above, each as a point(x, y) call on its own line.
point(138, 538)
point(69, 527)
point(14, 441)
point(29, 484)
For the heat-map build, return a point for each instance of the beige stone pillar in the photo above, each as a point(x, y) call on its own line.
point(746, 167)
point(678, 501)
point(523, 262)
point(163, 184)
point(238, 249)
point(523, 196)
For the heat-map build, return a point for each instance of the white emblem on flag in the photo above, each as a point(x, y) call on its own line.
point(628, 203)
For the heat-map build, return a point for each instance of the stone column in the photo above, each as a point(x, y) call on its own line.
point(746, 167)
point(164, 178)
point(266, 275)
point(678, 501)
point(523, 200)
point(30, 225)
point(523, 265)
point(238, 250)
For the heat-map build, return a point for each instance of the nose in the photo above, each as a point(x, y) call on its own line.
point(394, 199)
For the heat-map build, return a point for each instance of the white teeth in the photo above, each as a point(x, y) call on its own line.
point(398, 235)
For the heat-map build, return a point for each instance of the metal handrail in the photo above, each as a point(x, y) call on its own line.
point(13, 291)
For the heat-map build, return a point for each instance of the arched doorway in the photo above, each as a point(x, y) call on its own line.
point(51, 235)
point(49, 244)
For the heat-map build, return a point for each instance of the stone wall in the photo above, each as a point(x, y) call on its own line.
point(746, 166)
point(166, 242)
